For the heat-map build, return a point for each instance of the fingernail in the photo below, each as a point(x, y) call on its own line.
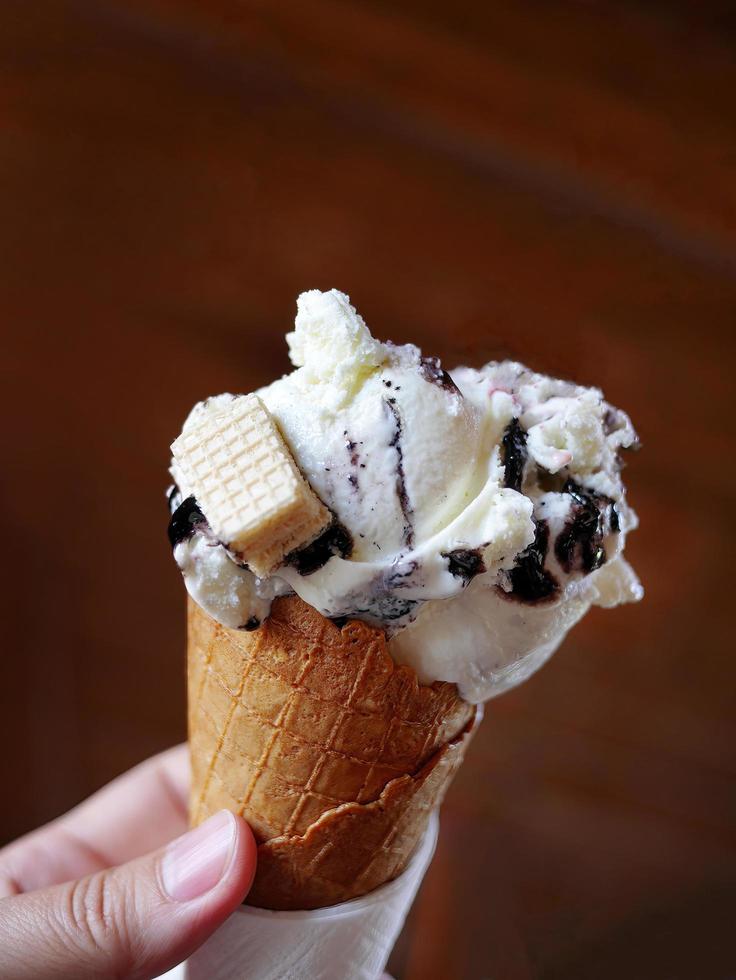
point(195, 863)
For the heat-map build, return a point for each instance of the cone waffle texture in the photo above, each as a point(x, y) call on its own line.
point(239, 468)
point(333, 754)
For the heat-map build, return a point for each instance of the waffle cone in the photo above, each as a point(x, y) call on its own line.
point(333, 754)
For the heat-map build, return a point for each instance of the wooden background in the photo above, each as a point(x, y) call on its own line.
point(552, 181)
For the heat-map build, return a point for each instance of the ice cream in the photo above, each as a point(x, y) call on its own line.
point(477, 514)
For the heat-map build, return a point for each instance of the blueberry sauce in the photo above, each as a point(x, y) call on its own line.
point(252, 624)
point(185, 521)
point(579, 546)
point(610, 422)
point(387, 608)
point(465, 563)
point(352, 448)
point(513, 455)
point(406, 509)
point(400, 574)
point(173, 497)
point(530, 581)
point(550, 482)
point(334, 540)
point(433, 372)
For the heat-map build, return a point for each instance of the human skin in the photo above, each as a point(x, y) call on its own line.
point(118, 887)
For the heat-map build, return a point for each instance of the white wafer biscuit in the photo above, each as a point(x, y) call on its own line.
point(247, 484)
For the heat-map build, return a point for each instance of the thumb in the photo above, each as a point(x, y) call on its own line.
point(137, 920)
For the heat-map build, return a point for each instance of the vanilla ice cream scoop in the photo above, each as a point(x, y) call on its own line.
point(385, 437)
point(477, 514)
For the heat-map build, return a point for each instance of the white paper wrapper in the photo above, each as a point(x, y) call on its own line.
point(352, 940)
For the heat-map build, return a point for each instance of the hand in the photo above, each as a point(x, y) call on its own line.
point(76, 900)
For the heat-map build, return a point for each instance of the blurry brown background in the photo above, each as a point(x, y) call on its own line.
point(551, 181)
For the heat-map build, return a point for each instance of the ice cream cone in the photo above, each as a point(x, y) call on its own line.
point(334, 755)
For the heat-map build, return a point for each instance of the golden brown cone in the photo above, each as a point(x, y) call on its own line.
point(356, 847)
point(332, 753)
